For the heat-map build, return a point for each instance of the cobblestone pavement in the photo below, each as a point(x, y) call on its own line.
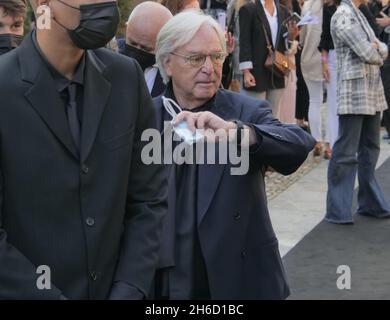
point(276, 183)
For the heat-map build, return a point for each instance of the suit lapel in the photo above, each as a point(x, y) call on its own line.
point(158, 86)
point(263, 20)
point(159, 113)
point(158, 108)
point(42, 95)
point(210, 175)
point(96, 93)
point(280, 22)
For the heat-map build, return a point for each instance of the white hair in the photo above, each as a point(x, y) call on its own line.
point(179, 31)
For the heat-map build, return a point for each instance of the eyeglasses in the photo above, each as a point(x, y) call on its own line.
point(198, 60)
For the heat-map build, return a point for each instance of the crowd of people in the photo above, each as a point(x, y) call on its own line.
point(75, 192)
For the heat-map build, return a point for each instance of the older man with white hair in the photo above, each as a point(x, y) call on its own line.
point(145, 22)
point(218, 241)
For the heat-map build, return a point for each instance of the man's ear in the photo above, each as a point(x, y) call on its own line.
point(168, 66)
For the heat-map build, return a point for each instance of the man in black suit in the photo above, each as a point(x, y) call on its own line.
point(145, 22)
point(12, 15)
point(254, 18)
point(76, 199)
point(218, 240)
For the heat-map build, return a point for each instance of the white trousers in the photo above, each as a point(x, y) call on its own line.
point(332, 129)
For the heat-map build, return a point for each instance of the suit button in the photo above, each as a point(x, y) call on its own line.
point(94, 275)
point(243, 254)
point(237, 216)
point(90, 221)
point(85, 168)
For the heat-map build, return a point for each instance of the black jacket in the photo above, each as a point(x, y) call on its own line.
point(253, 45)
point(93, 219)
point(237, 240)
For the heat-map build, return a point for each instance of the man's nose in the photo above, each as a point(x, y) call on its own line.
point(208, 65)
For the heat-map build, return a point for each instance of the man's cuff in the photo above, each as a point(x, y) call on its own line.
point(245, 65)
point(254, 148)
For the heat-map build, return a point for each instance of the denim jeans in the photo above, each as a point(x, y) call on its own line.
point(356, 149)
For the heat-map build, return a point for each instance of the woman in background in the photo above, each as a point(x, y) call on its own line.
point(312, 69)
point(234, 28)
point(329, 72)
point(288, 101)
point(302, 94)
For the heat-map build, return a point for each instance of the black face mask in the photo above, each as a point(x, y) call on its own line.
point(9, 41)
point(145, 59)
point(98, 24)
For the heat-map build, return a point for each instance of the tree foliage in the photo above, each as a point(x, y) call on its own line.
point(125, 7)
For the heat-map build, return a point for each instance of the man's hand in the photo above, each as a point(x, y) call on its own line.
point(384, 21)
point(375, 44)
point(203, 120)
point(215, 128)
point(249, 79)
point(293, 30)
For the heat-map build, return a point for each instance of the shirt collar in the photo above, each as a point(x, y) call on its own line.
point(61, 82)
point(266, 12)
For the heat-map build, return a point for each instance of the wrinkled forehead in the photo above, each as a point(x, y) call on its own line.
point(205, 40)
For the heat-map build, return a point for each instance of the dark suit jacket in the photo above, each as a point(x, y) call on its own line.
point(158, 86)
point(235, 232)
point(94, 219)
point(253, 45)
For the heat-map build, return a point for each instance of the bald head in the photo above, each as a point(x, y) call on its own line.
point(144, 24)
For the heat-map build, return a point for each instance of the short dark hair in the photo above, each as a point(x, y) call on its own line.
point(14, 8)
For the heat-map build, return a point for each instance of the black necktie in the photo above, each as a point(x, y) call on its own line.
point(71, 110)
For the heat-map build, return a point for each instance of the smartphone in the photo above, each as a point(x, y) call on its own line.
point(294, 17)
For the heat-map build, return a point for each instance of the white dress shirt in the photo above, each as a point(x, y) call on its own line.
point(150, 76)
point(272, 21)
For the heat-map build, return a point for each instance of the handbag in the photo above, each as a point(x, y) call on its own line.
point(277, 62)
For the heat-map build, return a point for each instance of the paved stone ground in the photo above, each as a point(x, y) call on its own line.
point(302, 205)
point(276, 183)
point(312, 265)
